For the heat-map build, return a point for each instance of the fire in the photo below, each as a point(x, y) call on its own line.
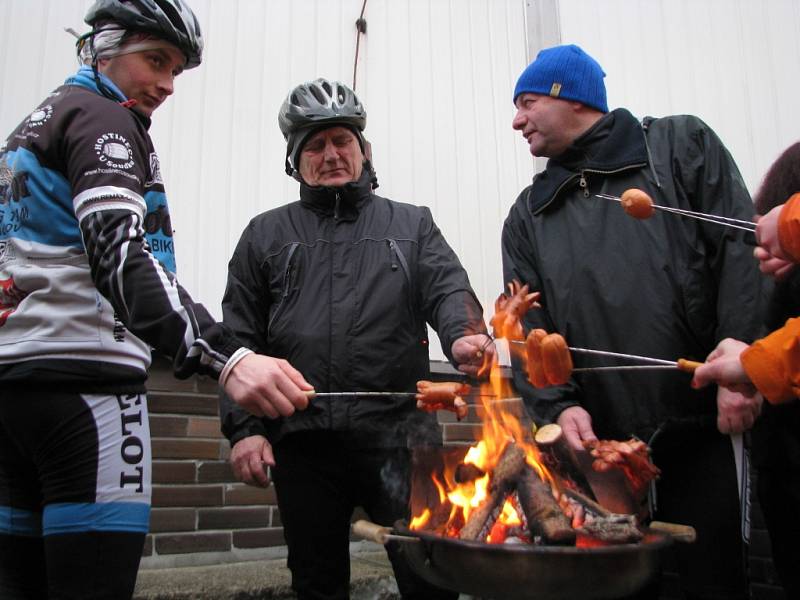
point(420, 521)
point(509, 517)
point(501, 425)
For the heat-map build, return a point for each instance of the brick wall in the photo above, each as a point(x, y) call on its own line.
point(202, 515)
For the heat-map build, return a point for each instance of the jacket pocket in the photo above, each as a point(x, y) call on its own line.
point(398, 260)
point(286, 287)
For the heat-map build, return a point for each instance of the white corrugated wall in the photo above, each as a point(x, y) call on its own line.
point(436, 77)
point(733, 63)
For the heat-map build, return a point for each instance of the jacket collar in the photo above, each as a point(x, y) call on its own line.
point(615, 143)
point(343, 203)
point(85, 78)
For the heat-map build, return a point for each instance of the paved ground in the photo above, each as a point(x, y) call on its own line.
point(371, 579)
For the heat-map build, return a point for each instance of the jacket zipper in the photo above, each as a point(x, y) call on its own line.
point(584, 183)
point(399, 257)
point(286, 287)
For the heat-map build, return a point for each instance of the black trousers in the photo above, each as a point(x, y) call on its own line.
point(698, 487)
point(779, 494)
point(319, 482)
point(74, 494)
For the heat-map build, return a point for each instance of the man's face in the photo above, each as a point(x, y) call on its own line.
point(146, 76)
point(546, 123)
point(331, 157)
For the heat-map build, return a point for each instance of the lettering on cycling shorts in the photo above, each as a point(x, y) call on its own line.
point(132, 448)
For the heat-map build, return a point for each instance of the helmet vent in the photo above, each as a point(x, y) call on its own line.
point(321, 98)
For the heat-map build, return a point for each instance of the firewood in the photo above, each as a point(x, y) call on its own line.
point(545, 517)
point(590, 506)
point(559, 457)
point(614, 529)
point(509, 466)
point(468, 472)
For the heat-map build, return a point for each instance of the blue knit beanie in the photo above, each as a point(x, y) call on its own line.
point(565, 72)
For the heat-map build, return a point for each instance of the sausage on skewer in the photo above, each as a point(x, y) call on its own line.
point(442, 395)
point(556, 359)
point(533, 347)
point(510, 308)
point(637, 203)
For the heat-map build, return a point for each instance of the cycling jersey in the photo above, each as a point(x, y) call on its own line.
point(87, 265)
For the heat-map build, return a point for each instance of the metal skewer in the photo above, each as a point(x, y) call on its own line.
point(718, 219)
point(651, 363)
point(313, 394)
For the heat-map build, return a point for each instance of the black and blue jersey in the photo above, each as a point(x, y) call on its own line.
point(87, 267)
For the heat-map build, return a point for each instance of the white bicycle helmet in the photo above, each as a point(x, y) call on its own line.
point(171, 20)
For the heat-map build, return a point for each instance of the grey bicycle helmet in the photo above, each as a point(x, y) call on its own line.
point(171, 20)
point(316, 104)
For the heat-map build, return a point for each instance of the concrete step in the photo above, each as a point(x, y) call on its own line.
point(371, 579)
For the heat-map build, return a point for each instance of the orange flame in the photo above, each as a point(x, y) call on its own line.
point(503, 421)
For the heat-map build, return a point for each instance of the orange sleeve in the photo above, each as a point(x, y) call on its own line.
point(789, 228)
point(773, 363)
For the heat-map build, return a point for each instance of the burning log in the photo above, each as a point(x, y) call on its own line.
point(468, 472)
point(600, 523)
point(545, 517)
point(559, 457)
point(511, 463)
point(613, 529)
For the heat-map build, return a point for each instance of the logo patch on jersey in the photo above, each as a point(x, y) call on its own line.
point(155, 170)
point(114, 151)
point(10, 297)
point(40, 116)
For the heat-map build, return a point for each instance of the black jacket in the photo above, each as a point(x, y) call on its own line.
point(666, 287)
point(342, 284)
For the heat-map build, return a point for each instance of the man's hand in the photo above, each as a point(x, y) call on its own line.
point(723, 366)
point(250, 458)
point(576, 424)
point(473, 353)
point(267, 386)
point(737, 412)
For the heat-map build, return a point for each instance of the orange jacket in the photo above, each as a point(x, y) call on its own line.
point(773, 362)
point(789, 228)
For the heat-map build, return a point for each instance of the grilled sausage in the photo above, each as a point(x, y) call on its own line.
point(637, 203)
point(556, 359)
point(442, 395)
point(510, 308)
point(533, 346)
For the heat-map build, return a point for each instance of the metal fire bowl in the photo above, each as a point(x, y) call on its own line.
point(512, 571)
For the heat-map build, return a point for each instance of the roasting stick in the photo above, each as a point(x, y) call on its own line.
point(377, 533)
point(718, 219)
point(652, 363)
